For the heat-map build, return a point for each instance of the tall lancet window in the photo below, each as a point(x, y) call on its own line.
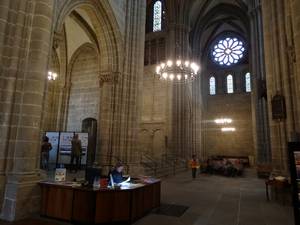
point(212, 86)
point(157, 16)
point(229, 82)
point(248, 82)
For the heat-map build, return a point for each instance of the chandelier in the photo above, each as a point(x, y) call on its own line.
point(177, 70)
point(52, 75)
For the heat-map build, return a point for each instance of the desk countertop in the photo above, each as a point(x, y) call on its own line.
point(76, 185)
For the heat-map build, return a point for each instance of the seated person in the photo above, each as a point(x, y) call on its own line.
point(117, 176)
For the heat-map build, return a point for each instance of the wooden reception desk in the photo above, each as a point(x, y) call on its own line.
point(87, 205)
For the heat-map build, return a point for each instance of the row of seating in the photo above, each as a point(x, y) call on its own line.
point(225, 165)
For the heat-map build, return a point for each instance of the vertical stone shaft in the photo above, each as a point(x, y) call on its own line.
point(258, 102)
point(25, 53)
point(278, 74)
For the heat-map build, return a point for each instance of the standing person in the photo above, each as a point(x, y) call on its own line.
point(75, 152)
point(45, 149)
point(194, 164)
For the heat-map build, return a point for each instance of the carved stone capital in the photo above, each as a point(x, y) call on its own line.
point(108, 77)
point(57, 39)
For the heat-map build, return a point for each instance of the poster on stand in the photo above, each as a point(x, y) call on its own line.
point(65, 147)
point(53, 140)
point(84, 137)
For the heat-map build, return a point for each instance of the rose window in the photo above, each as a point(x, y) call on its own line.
point(228, 51)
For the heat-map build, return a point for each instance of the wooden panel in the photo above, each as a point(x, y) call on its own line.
point(156, 193)
point(112, 206)
point(137, 210)
point(84, 206)
point(58, 202)
point(121, 208)
point(102, 206)
point(149, 198)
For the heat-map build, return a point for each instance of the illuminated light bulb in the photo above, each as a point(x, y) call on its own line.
point(223, 120)
point(54, 75)
point(186, 76)
point(157, 69)
point(187, 63)
point(162, 65)
point(178, 76)
point(165, 75)
point(169, 63)
point(178, 62)
point(228, 120)
point(171, 76)
point(228, 129)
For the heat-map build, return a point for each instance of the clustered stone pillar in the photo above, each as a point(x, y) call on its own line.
point(281, 75)
point(119, 108)
point(182, 111)
point(258, 98)
point(25, 30)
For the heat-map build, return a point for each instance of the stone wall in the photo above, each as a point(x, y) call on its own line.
point(155, 100)
point(84, 96)
point(238, 108)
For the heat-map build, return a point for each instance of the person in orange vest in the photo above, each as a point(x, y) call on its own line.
point(194, 164)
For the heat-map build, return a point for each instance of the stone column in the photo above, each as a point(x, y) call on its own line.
point(121, 97)
point(261, 134)
point(25, 33)
point(293, 30)
point(278, 76)
point(183, 110)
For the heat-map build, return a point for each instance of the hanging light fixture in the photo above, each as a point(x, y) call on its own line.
point(177, 70)
point(52, 75)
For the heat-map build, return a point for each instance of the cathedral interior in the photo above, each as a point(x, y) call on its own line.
point(107, 58)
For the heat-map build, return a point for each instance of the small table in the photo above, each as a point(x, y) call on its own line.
point(279, 186)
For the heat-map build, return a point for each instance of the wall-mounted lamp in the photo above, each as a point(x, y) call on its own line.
point(228, 129)
point(52, 75)
point(223, 121)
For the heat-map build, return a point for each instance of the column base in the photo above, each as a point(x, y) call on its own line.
point(21, 196)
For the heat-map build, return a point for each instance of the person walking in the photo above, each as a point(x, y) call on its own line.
point(75, 153)
point(194, 164)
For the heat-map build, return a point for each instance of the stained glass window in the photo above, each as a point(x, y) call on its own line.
point(212, 86)
point(157, 16)
point(228, 51)
point(229, 81)
point(248, 82)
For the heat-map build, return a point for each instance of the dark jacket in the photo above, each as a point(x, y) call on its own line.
point(117, 177)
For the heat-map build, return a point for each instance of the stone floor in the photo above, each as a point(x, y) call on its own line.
point(217, 200)
point(212, 200)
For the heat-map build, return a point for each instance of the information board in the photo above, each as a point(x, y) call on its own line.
point(65, 142)
point(54, 140)
point(84, 137)
point(65, 147)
